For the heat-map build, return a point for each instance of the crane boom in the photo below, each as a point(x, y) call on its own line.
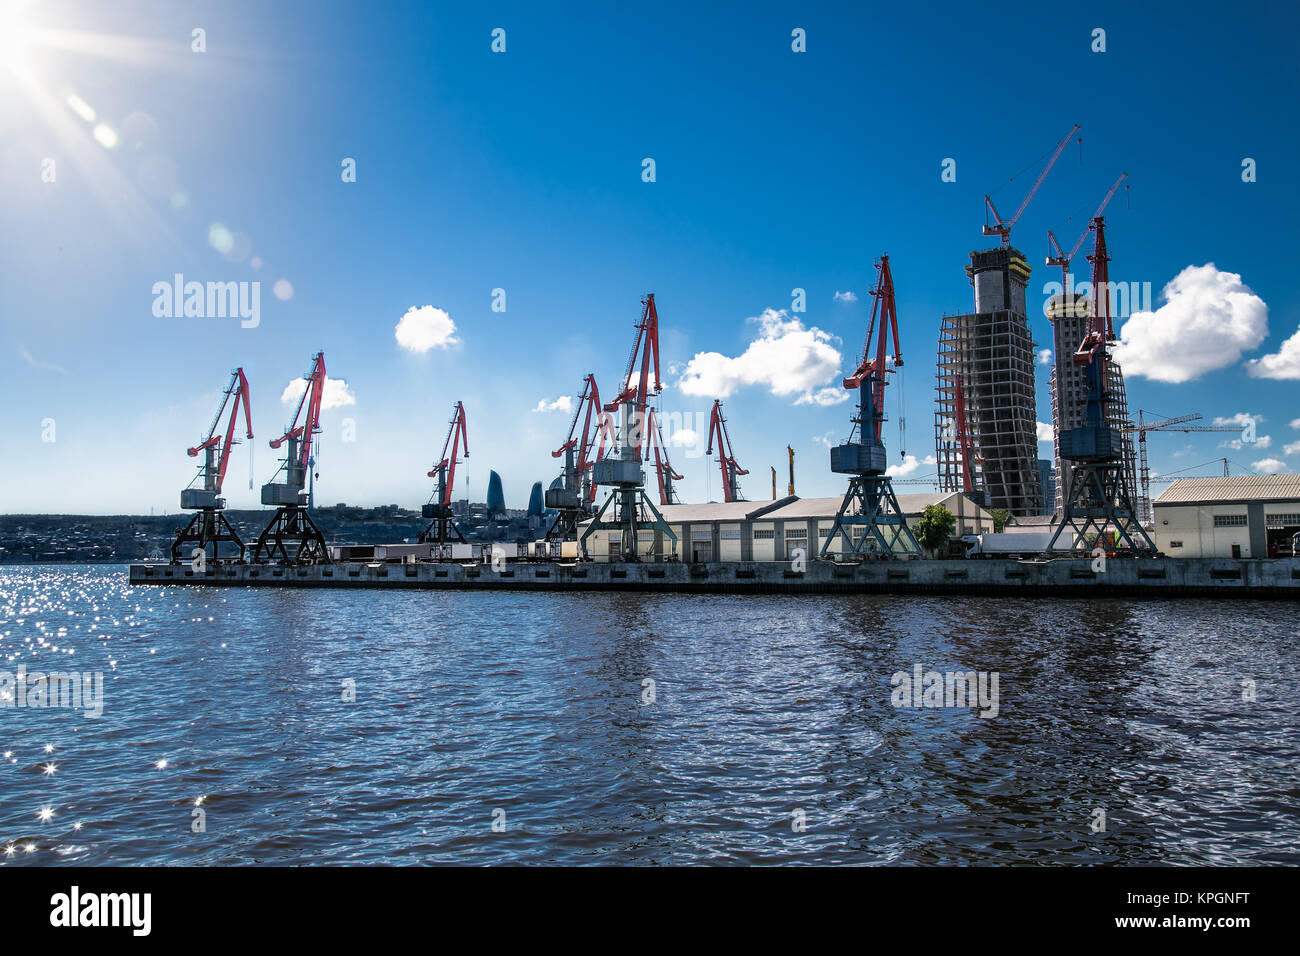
point(872, 369)
point(1003, 227)
point(1063, 259)
point(445, 469)
point(236, 391)
point(645, 344)
point(300, 457)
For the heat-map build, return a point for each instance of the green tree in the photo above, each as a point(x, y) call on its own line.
point(1000, 518)
point(935, 528)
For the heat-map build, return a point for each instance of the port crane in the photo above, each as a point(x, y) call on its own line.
point(1100, 501)
point(442, 528)
point(572, 493)
point(727, 463)
point(663, 467)
point(1063, 259)
point(1002, 227)
point(209, 525)
point(629, 509)
point(292, 537)
point(869, 519)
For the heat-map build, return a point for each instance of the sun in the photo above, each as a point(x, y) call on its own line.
point(15, 33)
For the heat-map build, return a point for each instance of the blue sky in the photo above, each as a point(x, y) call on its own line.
point(522, 170)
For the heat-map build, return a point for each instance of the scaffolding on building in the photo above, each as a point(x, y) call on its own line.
point(992, 355)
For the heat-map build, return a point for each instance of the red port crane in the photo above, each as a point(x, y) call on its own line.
point(870, 520)
point(292, 537)
point(1099, 504)
point(632, 510)
point(216, 448)
point(572, 493)
point(727, 463)
point(209, 526)
point(597, 424)
point(1063, 259)
point(298, 460)
point(443, 529)
point(663, 467)
point(1003, 226)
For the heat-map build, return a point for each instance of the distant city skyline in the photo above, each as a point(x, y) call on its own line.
point(241, 184)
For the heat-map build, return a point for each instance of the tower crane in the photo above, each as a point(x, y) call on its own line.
point(292, 537)
point(1100, 501)
point(1063, 259)
point(726, 458)
point(1176, 424)
point(630, 509)
point(870, 503)
point(572, 493)
point(209, 525)
point(1002, 227)
point(442, 529)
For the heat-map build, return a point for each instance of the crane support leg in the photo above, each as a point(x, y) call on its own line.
point(870, 504)
point(442, 529)
point(207, 527)
point(633, 511)
point(565, 525)
point(291, 538)
point(1100, 503)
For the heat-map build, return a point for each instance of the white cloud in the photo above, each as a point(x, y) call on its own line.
point(1284, 363)
point(1240, 418)
point(845, 297)
point(39, 363)
point(1044, 356)
point(1268, 466)
point(905, 468)
point(1208, 319)
point(683, 438)
point(425, 328)
point(831, 395)
point(1263, 441)
point(337, 393)
point(1292, 448)
point(827, 439)
point(787, 358)
point(1295, 423)
point(1044, 430)
point(908, 466)
point(562, 404)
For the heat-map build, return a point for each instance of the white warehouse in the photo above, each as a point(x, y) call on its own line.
point(770, 530)
point(1246, 516)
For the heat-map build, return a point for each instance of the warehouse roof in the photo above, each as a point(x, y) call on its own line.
point(1238, 488)
point(718, 510)
point(786, 509)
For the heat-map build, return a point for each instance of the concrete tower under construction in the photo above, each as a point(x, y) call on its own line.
point(1068, 312)
point(989, 355)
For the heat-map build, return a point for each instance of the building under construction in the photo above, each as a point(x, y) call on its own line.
point(1068, 312)
point(985, 390)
